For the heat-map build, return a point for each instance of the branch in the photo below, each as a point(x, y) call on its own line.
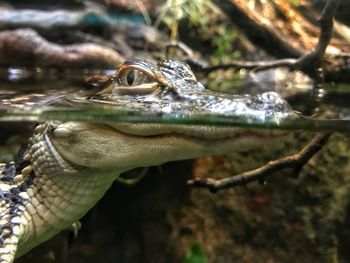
point(295, 161)
point(25, 47)
point(313, 58)
point(309, 61)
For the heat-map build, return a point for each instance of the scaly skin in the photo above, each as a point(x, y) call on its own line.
point(68, 166)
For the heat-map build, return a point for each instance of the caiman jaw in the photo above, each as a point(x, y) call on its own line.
point(124, 146)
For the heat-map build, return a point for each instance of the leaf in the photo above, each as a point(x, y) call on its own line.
point(196, 254)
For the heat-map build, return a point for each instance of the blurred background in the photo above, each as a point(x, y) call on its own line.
point(53, 47)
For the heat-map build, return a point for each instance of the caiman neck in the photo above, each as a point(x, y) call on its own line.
point(59, 193)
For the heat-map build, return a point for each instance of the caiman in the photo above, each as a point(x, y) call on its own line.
point(66, 167)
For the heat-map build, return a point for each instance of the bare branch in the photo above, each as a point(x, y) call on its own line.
point(313, 58)
point(309, 61)
point(25, 47)
point(295, 161)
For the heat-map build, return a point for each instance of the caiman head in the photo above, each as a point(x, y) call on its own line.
point(169, 87)
point(68, 166)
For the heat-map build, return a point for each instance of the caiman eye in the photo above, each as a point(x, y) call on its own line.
point(133, 77)
point(135, 82)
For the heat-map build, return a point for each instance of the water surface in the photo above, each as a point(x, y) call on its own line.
point(50, 95)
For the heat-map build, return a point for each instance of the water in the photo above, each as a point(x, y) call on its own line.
point(33, 95)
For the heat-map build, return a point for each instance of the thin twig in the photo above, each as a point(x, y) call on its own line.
point(295, 161)
point(237, 65)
